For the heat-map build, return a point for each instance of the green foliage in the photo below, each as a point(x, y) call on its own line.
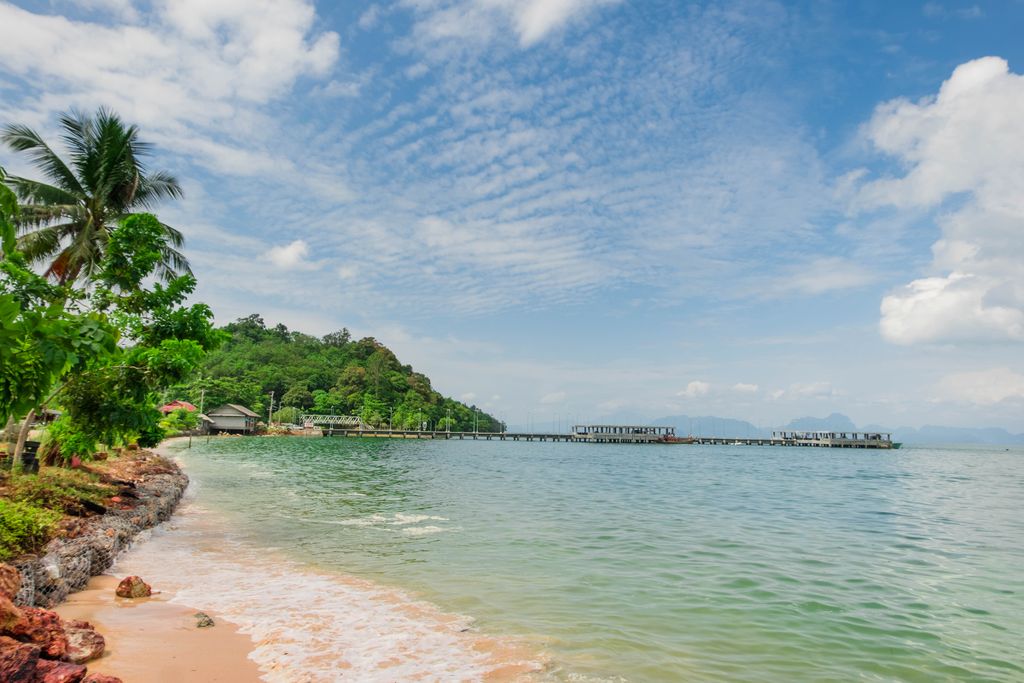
point(180, 420)
point(333, 374)
point(288, 416)
point(24, 527)
point(116, 403)
point(61, 490)
point(67, 219)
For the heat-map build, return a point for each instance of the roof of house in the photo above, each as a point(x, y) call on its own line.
point(175, 405)
point(237, 408)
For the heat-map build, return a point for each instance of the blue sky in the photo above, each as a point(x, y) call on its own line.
point(589, 208)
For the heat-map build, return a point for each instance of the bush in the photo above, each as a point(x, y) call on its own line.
point(24, 528)
point(59, 489)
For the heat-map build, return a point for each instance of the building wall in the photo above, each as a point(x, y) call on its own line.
point(233, 422)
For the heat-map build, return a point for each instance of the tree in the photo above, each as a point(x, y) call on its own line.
point(42, 339)
point(68, 222)
point(164, 344)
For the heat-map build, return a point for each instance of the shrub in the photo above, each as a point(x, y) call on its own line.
point(58, 489)
point(24, 527)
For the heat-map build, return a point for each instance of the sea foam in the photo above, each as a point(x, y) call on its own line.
point(310, 626)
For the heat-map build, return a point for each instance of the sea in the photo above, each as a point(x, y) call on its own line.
point(409, 560)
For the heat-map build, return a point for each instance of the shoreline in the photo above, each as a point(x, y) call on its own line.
point(146, 639)
point(155, 640)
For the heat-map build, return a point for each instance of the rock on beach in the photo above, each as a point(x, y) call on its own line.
point(133, 587)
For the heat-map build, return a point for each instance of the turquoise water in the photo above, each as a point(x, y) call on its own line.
point(662, 563)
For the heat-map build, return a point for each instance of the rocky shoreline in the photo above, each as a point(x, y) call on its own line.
point(36, 645)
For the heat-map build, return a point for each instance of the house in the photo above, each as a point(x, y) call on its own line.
point(232, 417)
point(175, 405)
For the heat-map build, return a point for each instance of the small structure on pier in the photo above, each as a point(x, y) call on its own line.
point(835, 439)
point(623, 434)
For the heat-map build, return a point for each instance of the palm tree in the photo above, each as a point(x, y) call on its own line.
point(67, 222)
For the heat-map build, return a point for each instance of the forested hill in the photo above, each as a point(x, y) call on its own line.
point(331, 374)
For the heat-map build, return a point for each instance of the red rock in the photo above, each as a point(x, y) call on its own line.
point(78, 623)
point(10, 581)
point(17, 660)
point(49, 671)
point(9, 613)
point(101, 678)
point(115, 499)
point(43, 628)
point(133, 587)
point(84, 644)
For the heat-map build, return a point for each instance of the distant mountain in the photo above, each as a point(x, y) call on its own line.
point(836, 422)
point(709, 425)
point(937, 434)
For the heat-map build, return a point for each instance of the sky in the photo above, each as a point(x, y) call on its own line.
point(584, 210)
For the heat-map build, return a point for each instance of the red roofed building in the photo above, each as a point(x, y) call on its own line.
point(175, 405)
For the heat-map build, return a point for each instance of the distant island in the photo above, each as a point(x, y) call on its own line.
point(710, 425)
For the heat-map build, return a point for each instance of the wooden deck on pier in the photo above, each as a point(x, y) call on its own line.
point(414, 434)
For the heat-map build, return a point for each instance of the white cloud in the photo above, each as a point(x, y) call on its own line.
point(745, 388)
point(348, 272)
point(291, 256)
point(806, 390)
point(948, 309)
point(821, 275)
point(962, 144)
point(468, 397)
point(983, 387)
point(369, 18)
point(694, 389)
point(483, 20)
point(193, 74)
point(553, 398)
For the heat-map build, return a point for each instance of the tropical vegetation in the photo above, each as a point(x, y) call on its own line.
point(333, 374)
point(66, 221)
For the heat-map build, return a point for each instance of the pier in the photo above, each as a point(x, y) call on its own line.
point(353, 427)
point(418, 434)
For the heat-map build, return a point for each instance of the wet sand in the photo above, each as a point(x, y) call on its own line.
point(151, 640)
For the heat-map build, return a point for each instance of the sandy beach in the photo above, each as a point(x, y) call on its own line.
point(155, 641)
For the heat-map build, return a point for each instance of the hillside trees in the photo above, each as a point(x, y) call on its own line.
point(330, 375)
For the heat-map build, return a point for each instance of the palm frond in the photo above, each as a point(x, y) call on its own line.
point(43, 243)
point(172, 264)
point(156, 186)
point(41, 193)
point(23, 139)
point(35, 215)
point(174, 236)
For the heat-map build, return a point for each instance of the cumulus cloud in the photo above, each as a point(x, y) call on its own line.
point(291, 256)
point(745, 388)
point(963, 144)
point(193, 73)
point(694, 389)
point(983, 387)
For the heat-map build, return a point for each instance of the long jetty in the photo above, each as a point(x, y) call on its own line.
point(353, 427)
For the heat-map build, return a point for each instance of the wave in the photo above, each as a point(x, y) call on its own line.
point(310, 626)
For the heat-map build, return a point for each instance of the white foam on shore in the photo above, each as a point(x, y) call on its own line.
point(309, 626)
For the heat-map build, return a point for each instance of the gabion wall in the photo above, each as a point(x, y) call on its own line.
point(65, 565)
